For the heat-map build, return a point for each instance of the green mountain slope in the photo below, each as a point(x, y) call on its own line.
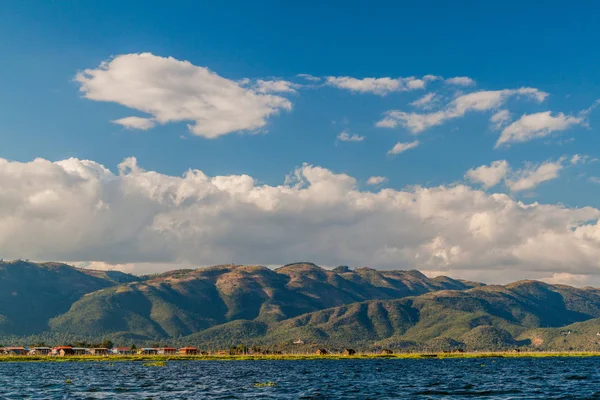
point(489, 317)
point(230, 304)
point(188, 301)
point(31, 294)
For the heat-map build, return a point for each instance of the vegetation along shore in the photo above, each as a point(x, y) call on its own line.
point(294, 357)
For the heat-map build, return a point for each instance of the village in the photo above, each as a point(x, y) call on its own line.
point(68, 350)
point(63, 351)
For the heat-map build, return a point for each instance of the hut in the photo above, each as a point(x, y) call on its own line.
point(386, 352)
point(148, 351)
point(15, 351)
point(121, 350)
point(188, 351)
point(321, 352)
point(40, 351)
point(349, 352)
point(99, 351)
point(63, 351)
point(167, 350)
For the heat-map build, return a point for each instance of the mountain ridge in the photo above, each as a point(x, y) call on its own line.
point(229, 304)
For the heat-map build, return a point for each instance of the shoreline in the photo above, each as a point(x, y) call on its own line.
point(296, 357)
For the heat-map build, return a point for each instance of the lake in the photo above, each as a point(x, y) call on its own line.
point(515, 378)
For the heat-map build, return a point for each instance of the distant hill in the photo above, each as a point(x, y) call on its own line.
point(230, 304)
point(482, 318)
point(188, 301)
point(31, 294)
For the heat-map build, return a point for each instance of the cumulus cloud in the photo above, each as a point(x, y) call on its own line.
point(532, 175)
point(171, 90)
point(460, 81)
point(538, 125)
point(77, 210)
point(379, 86)
point(401, 147)
point(376, 180)
point(345, 136)
point(489, 176)
point(526, 178)
point(476, 101)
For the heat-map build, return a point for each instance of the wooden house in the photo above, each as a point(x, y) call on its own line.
point(121, 350)
point(40, 351)
point(148, 351)
point(14, 351)
point(167, 350)
point(99, 351)
point(188, 351)
point(62, 351)
point(79, 351)
point(321, 352)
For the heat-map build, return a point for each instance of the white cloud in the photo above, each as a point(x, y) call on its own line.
point(460, 81)
point(136, 123)
point(432, 78)
point(345, 136)
point(309, 77)
point(402, 147)
point(376, 180)
point(525, 178)
point(173, 91)
point(489, 176)
point(538, 125)
point(276, 86)
point(500, 119)
point(142, 217)
point(582, 159)
point(532, 175)
point(379, 86)
point(77, 210)
point(476, 101)
point(425, 102)
point(565, 278)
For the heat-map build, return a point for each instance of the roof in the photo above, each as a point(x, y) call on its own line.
point(168, 348)
point(188, 348)
point(63, 347)
point(121, 348)
point(14, 348)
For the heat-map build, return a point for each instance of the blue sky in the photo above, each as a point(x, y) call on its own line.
point(45, 114)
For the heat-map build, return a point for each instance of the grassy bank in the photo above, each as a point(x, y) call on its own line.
point(157, 358)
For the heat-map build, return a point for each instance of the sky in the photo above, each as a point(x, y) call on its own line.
point(454, 139)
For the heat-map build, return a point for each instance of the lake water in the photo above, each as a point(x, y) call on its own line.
point(521, 378)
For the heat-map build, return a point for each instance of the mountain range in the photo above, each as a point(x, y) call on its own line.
point(230, 304)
